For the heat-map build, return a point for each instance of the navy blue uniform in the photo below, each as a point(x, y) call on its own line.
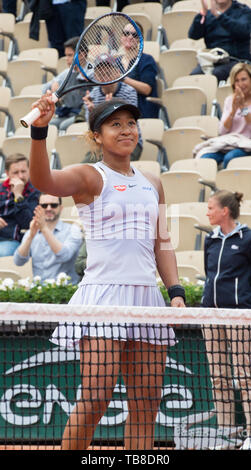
point(228, 269)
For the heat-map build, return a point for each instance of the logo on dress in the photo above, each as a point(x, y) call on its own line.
point(120, 187)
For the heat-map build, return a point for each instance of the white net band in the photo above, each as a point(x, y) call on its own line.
point(116, 313)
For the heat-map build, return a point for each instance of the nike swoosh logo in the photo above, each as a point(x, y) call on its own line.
point(131, 185)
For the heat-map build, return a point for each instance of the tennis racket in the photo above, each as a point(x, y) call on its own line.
point(107, 50)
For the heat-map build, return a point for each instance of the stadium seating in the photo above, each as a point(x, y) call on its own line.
point(9, 273)
point(93, 12)
point(5, 97)
point(208, 83)
point(21, 34)
point(62, 65)
point(19, 106)
point(180, 142)
point(152, 48)
point(78, 128)
point(23, 72)
point(221, 94)
point(16, 144)
point(235, 180)
point(206, 167)
point(180, 186)
point(194, 5)
point(198, 210)
point(175, 25)
point(246, 206)
point(7, 33)
point(181, 102)
point(187, 272)
point(150, 152)
point(46, 55)
point(241, 162)
point(51, 138)
point(191, 258)
point(2, 159)
point(3, 66)
point(200, 215)
point(2, 137)
point(209, 124)
point(245, 218)
point(188, 43)
point(34, 90)
point(176, 63)
point(183, 232)
point(151, 129)
point(20, 142)
point(70, 214)
point(67, 201)
point(194, 209)
point(7, 264)
point(71, 149)
point(148, 166)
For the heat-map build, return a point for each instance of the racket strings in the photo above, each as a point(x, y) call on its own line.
point(109, 48)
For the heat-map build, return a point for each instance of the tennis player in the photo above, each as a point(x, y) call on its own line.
point(123, 212)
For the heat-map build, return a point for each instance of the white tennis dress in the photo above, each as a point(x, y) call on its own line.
point(120, 230)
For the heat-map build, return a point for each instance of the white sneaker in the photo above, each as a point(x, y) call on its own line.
point(246, 444)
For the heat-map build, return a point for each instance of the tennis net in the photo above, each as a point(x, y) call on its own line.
point(197, 387)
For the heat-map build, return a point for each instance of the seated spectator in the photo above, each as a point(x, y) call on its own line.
point(226, 25)
point(18, 199)
point(99, 94)
point(143, 77)
point(52, 244)
point(236, 116)
point(70, 104)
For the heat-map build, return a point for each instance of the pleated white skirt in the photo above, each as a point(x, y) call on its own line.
point(68, 335)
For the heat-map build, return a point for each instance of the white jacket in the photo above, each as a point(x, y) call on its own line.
point(222, 143)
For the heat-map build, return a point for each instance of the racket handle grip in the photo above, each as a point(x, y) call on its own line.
point(29, 118)
point(34, 114)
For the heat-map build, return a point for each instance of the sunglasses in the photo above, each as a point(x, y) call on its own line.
point(53, 205)
point(129, 33)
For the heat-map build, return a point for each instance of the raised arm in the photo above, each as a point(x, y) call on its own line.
point(81, 181)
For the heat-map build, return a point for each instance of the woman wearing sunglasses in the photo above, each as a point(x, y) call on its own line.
point(52, 244)
point(143, 76)
point(123, 213)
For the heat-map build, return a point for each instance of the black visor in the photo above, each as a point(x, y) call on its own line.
point(113, 107)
